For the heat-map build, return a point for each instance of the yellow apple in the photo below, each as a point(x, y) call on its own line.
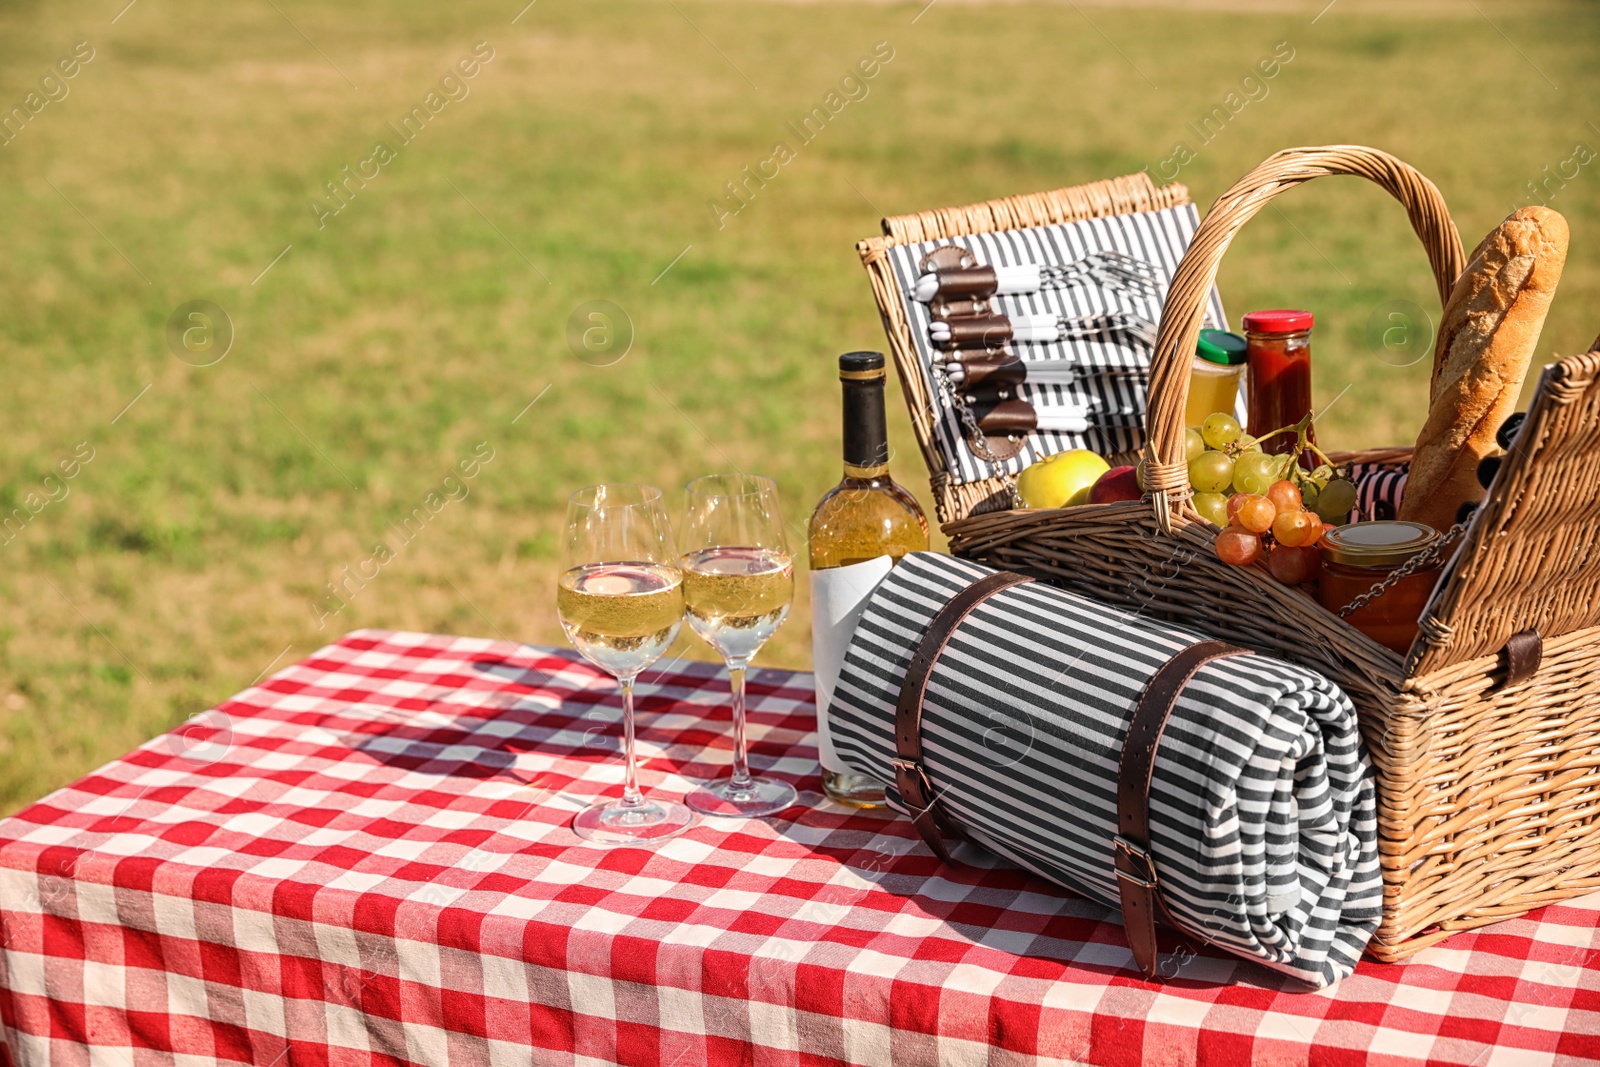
point(1062, 480)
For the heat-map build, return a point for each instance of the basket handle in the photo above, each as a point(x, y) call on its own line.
point(1166, 474)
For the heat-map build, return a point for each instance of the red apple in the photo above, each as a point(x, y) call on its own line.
point(1118, 483)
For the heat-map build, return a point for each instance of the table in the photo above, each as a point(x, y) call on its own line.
point(365, 859)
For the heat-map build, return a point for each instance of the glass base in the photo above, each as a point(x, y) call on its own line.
point(853, 790)
point(609, 822)
point(762, 796)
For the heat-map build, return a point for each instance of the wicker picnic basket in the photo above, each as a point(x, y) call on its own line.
point(1488, 769)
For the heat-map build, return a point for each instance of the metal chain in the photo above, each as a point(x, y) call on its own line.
point(976, 438)
point(1409, 567)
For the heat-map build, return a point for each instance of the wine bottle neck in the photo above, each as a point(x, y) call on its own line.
point(866, 432)
point(877, 472)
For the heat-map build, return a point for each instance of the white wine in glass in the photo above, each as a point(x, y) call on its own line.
point(620, 600)
point(621, 616)
point(738, 597)
point(738, 582)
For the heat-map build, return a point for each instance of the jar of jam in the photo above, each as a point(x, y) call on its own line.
point(1279, 356)
point(1214, 378)
point(1358, 556)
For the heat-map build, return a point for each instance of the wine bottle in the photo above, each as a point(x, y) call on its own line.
point(861, 527)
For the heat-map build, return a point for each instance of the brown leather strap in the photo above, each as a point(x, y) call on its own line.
point(1524, 652)
point(978, 331)
point(958, 282)
point(910, 777)
point(942, 308)
point(993, 368)
point(1136, 872)
point(1005, 416)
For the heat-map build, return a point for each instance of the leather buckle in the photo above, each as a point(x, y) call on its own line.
point(912, 780)
point(1143, 868)
point(916, 792)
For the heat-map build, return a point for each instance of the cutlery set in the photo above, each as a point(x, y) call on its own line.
point(979, 349)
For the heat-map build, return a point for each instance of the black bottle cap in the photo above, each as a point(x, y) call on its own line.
point(1488, 467)
point(861, 365)
point(1508, 429)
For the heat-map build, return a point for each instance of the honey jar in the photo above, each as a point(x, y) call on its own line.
point(1360, 555)
point(1218, 368)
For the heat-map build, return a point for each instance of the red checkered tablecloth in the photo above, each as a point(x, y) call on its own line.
point(366, 859)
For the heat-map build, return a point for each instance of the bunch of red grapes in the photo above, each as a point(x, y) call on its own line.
point(1269, 505)
point(1274, 524)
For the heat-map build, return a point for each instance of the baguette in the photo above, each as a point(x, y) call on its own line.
point(1486, 340)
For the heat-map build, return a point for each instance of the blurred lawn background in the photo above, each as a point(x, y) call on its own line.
point(190, 554)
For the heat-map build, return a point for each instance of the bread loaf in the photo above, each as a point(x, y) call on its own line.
point(1486, 340)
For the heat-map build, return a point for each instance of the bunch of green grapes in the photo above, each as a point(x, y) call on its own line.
point(1327, 492)
point(1224, 460)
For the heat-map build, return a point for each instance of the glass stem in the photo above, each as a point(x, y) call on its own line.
point(631, 797)
point(741, 758)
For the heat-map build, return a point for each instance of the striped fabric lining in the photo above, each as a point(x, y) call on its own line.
point(1378, 490)
point(1157, 237)
point(1263, 810)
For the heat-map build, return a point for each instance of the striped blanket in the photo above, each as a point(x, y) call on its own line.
point(1263, 819)
point(1378, 490)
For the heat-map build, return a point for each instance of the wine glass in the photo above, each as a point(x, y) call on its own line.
point(738, 581)
point(620, 599)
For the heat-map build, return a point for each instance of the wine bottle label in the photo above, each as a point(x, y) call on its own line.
point(838, 599)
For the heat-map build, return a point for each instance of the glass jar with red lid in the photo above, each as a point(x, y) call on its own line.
point(1279, 354)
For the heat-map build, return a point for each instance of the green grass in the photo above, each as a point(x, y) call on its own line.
point(433, 308)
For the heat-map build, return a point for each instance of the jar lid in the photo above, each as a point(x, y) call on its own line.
point(1220, 346)
point(1380, 543)
point(1277, 321)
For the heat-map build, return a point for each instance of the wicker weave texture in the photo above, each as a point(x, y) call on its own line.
point(1114, 196)
point(1489, 794)
point(1532, 559)
point(1497, 811)
point(1181, 318)
point(1489, 798)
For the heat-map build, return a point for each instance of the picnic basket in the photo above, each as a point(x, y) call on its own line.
point(1485, 738)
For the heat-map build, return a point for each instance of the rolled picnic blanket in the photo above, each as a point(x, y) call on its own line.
point(1262, 817)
